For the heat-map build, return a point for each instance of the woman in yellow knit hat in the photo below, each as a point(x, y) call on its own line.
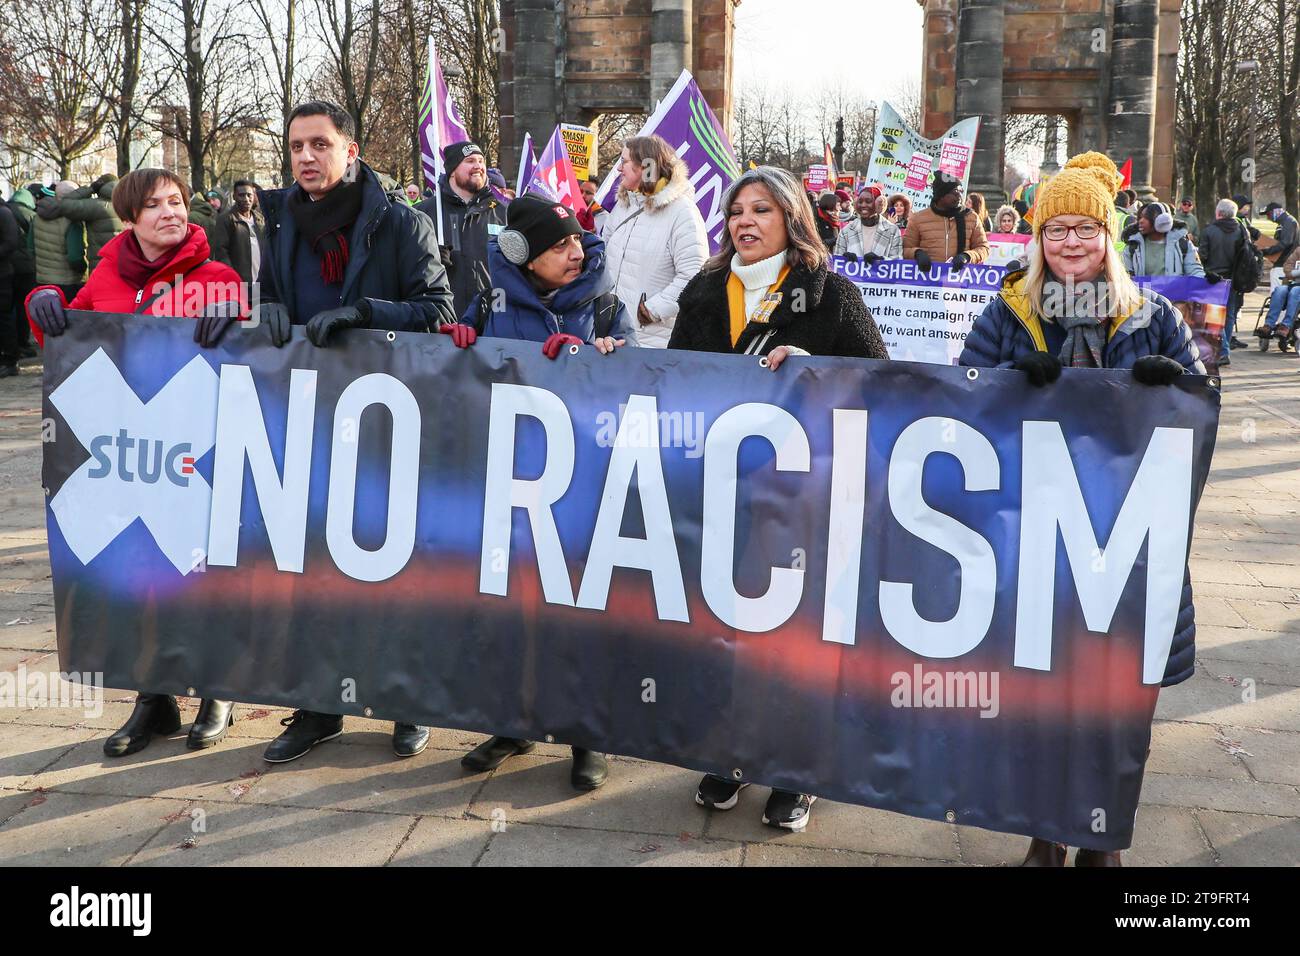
point(1076, 305)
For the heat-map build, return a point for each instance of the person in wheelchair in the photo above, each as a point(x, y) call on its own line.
point(1283, 307)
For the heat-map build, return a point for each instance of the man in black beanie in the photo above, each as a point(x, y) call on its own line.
point(470, 215)
point(946, 232)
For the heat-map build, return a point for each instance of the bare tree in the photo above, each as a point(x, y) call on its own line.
point(48, 78)
point(213, 56)
point(278, 20)
point(350, 32)
point(469, 38)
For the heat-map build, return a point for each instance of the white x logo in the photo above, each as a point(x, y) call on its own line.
point(142, 460)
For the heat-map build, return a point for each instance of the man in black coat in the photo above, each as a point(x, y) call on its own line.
point(1221, 245)
point(470, 216)
point(240, 232)
point(339, 255)
point(11, 240)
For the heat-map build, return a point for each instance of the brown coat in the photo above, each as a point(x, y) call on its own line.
point(1290, 265)
point(937, 235)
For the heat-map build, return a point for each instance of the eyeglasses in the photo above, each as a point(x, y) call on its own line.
point(1084, 230)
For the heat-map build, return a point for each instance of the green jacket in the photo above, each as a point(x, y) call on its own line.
point(23, 207)
point(59, 245)
point(201, 212)
point(95, 212)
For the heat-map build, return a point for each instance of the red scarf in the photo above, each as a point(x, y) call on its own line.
point(134, 268)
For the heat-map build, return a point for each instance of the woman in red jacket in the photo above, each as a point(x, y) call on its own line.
point(158, 266)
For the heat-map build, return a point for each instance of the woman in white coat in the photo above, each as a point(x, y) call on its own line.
point(654, 237)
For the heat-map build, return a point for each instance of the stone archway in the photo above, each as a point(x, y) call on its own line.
point(1108, 65)
point(571, 60)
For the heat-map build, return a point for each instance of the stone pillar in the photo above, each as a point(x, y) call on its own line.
point(530, 87)
point(1162, 159)
point(711, 49)
point(980, 31)
point(1131, 104)
point(1051, 148)
point(939, 73)
point(670, 44)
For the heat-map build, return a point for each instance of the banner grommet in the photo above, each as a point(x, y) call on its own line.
point(738, 773)
point(392, 336)
point(573, 349)
point(762, 363)
point(950, 816)
point(972, 373)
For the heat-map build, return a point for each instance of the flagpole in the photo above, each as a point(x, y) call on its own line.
point(435, 137)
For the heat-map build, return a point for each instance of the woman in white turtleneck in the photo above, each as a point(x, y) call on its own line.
point(768, 292)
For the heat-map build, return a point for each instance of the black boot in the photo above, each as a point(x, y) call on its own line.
point(1097, 858)
point(589, 769)
point(210, 724)
point(153, 714)
point(493, 752)
point(304, 729)
point(1045, 853)
point(409, 739)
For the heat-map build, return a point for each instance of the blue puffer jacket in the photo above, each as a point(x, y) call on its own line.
point(1007, 330)
point(520, 314)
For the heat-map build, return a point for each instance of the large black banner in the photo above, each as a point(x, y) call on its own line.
point(923, 588)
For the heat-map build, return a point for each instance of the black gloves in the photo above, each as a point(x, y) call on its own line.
point(324, 324)
point(850, 256)
point(1156, 370)
point(871, 257)
point(46, 309)
point(444, 253)
point(1042, 368)
point(1213, 278)
point(212, 324)
point(276, 318)
point(923, 261)
point(960, 259)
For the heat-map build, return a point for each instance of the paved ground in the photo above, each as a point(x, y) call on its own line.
point(1222, 785)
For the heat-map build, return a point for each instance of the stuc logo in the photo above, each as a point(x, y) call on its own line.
point(133, 446)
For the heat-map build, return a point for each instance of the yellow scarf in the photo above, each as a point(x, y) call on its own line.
point(736, 301)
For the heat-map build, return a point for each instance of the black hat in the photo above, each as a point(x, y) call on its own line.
point(944, 183)
point(1271, 206)
point(453, 155)
point(533, 225)
point(1020, 206)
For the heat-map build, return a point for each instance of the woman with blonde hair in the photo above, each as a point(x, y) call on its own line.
point(654, 236)
point(1077, 306)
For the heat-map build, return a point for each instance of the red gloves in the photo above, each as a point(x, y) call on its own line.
point(551, 347)
point(462, 336)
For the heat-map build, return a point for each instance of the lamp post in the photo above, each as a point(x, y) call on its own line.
point(1252, 68)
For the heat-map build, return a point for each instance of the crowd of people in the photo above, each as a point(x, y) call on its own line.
point(340, 249)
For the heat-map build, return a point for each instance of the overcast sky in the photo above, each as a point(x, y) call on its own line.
point(806, 44)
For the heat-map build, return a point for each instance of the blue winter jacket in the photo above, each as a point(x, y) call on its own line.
point(514, 310)
point(1007, 330)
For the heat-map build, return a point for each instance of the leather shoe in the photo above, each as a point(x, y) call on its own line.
point(589, 769)
point(305, 729)
point(210, 724)
point(493, 752)
point(153, 714)
point(1045, 853)
point(1097, 858)
point(409, 739)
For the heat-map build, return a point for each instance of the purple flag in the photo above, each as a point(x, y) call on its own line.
point(527, 163)
point(684, 119)
point(440, 120)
